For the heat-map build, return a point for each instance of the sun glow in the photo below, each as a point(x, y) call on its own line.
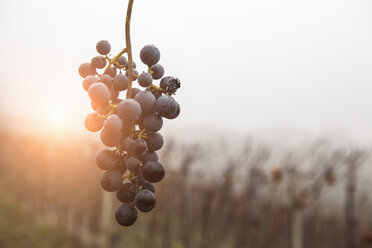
point(56, 117)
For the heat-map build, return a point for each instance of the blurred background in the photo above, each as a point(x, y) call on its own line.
point(271, 149)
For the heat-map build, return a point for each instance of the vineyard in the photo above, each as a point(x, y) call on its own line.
point(315, 196)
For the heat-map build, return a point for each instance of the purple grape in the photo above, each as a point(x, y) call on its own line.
point(122, 60)
point(111, 71)
point(139, 146)
point(103, 109)
point(157, 71)
point(120, 82)
point(88, 81)
point(103, 47)
point(154, 141)
point(98, 62)
point(113, 124)
point(153, 171)
point(145, 79)
point(126, 214)
point(126, 144)
point(166, 105)
point(146, 100)
point(152, 122)
point(164, 82)
point(93, 123)
point(111, 180)
point(106, 79)
point(110, 138)
point(150, 55)
point(145, 200)
point(99, 93)
point(134, 92)
point(175, 114)
point(149, 186)
point(114, 94)
point(107, 160)
point(148, 156)
point(170, 84)
point(86, 69)
point(132, 164)
point(94, 105)
point(127, 192)
point(129, 110)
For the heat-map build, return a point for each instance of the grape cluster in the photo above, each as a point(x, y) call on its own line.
point(129, 126)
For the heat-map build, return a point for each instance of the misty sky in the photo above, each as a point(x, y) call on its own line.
point(244, 65)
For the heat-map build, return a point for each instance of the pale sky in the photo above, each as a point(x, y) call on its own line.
point(244, 65)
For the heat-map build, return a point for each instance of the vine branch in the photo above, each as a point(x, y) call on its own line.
point(129, 48)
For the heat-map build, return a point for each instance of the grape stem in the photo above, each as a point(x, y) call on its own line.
point(115, 63)
point(158, 88)
point(129, 47)
point(118, 149)
point(113, 108)
point(106, 115)
point(112, 61)
point(125, 177)
point(140, 134)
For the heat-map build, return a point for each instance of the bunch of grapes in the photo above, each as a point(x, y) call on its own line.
point(130, 126)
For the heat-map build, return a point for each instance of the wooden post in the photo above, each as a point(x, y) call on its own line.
point(297, 228)
point(295, 211)
point(350, 205)
point(353, 161)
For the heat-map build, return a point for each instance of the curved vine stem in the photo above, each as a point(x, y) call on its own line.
point(129, 48)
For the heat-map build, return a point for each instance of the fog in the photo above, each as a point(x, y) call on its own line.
point(245, 66)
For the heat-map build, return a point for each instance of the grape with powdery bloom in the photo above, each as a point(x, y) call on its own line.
point(129, 127)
